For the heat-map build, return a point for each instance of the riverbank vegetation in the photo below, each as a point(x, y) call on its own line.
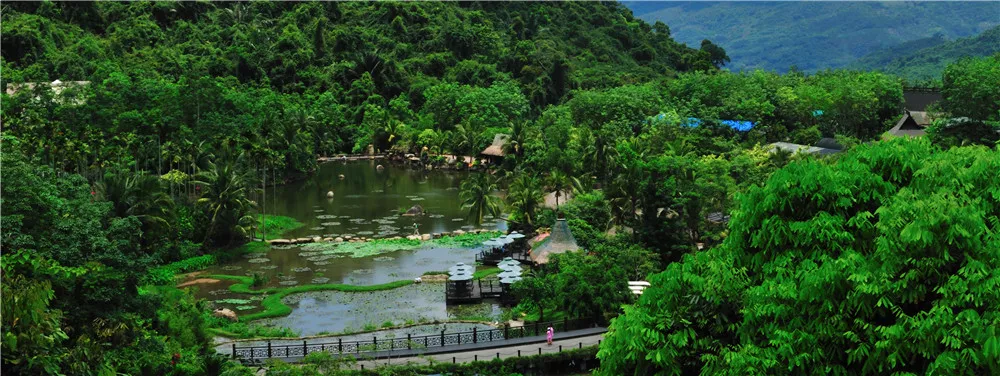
point(192, 111)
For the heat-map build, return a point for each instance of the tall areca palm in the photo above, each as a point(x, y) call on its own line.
point(524, 197)
point(477, 195)
point(224, 192)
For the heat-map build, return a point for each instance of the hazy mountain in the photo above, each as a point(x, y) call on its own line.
point(814, 35)
point(924, 59)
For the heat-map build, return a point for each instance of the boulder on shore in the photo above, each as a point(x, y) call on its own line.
point(425, 237)
point(414, 211)
point(280, 241)
point(226, 313)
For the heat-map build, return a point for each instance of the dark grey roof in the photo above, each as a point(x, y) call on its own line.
point(561, 240)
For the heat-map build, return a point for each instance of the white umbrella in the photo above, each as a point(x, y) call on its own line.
point(460, 268)
point(515, 235)
point(460, 277)
point(505, 240)
point(509, 280)
point(492, 243)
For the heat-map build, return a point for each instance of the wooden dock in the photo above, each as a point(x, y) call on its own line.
point(476, 291)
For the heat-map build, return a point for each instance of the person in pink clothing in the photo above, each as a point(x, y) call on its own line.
point(548, 335)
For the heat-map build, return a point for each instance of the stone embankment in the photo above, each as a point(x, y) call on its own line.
point(356, 239)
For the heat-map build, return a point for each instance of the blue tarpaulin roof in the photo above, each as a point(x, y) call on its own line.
point(739, 125)
point(817, 112)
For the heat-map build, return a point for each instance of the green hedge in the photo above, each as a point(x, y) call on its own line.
point(493, 367)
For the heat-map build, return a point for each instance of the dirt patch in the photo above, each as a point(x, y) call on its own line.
point(434, 278)
point(194, 274)
point(198, 281)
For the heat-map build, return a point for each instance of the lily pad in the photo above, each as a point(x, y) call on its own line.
point(245, 307)
point(260, 260)
point(233, 301)
point(288, 283)
point(302, 269)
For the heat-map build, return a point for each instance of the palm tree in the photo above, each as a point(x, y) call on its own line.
point(224, 192)
point(524, 197)
point(477, 195)
point(560, 182)
point(141, 196)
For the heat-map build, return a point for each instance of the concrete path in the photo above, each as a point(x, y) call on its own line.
point(528, 349)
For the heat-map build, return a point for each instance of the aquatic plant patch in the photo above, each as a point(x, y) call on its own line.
point(233, 301)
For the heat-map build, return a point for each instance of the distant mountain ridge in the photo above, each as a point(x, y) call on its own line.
point(924, 59)
point(814, 35)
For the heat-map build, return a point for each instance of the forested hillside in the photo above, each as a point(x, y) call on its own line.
point(923, 60)
point(174, 120)
point(815, 35)
point(313, 78)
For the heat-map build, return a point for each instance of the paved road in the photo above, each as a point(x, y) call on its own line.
point(486, 354)
point(468, 352)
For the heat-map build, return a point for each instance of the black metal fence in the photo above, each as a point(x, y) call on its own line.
point(253, 354)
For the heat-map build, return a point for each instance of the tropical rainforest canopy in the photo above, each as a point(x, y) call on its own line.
point(171, 117)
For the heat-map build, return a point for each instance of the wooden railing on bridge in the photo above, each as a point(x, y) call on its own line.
point(256, 354)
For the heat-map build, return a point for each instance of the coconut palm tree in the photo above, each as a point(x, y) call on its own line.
point(524, 197)
point(477, 195)
point(224, 192)
point(141, 196)
point(560, 182)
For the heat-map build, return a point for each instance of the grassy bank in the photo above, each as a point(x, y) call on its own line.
point(275, 226)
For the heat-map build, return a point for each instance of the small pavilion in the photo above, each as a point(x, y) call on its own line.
point(561, 240)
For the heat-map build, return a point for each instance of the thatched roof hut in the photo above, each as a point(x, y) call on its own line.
point(561, 240)
point(496, 148)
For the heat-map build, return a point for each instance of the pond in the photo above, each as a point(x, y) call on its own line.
point(331, 312)
point(368, 202)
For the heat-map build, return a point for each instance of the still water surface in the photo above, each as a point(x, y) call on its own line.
point(366, 202)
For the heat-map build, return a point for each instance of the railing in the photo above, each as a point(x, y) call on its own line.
point(253, 354)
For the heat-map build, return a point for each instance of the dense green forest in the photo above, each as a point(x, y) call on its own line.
point(815, 35)
point(923, 60)
point(156, 167)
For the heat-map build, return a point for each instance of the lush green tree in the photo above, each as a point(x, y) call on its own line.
point(478, 195)
point(970, 88)
point(524, 196)
point(223, 198)
point(964, 131)
point(835, 268)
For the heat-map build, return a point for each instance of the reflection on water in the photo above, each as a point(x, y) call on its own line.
point(368, 202)
point(319, 312)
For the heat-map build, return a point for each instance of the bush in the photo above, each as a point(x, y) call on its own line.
point(163, 275)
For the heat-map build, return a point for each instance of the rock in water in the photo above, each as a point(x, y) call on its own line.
point(329, 194)
point(226, 313)
point(379, 168)
point(414, 211)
